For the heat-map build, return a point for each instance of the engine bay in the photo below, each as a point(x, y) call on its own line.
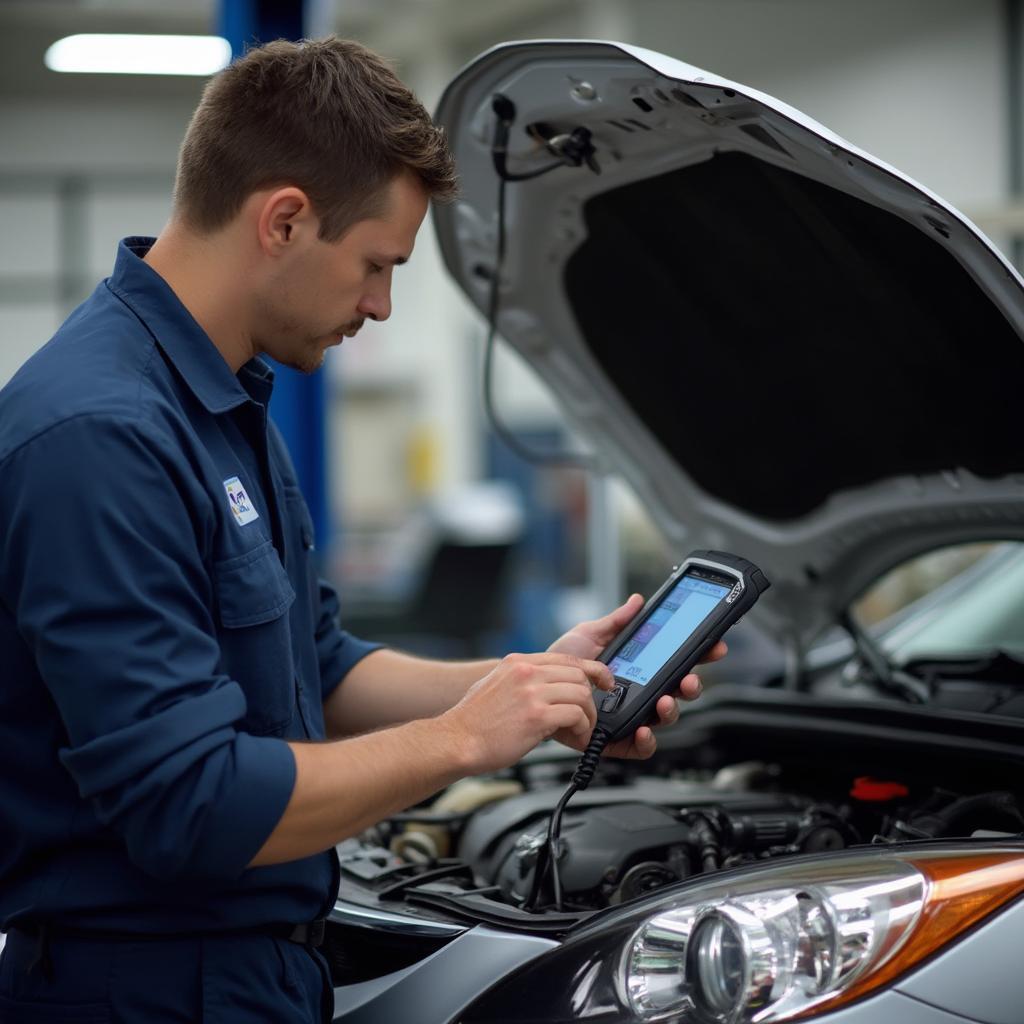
point(621, 842)
point(748, 775)
point(472, 853)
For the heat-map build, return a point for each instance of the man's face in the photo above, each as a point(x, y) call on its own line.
point(326, 290)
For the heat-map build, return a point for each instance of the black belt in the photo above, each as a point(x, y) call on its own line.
point(310, 934)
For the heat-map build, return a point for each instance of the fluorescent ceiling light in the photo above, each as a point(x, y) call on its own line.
point(139, 55)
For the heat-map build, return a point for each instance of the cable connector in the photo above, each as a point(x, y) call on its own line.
point(505, 113)
point(575, 148)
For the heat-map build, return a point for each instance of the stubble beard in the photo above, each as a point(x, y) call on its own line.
point(287, 340)
point(309, 365)
point(316, 355)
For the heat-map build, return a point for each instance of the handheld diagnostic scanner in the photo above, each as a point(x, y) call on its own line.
point(705, 595)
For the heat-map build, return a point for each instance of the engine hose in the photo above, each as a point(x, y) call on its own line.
point(997, 809)
point(705, 838)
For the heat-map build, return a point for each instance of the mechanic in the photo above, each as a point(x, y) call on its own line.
point(185, 731)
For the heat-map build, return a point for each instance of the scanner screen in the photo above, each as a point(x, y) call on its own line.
point(667, 628)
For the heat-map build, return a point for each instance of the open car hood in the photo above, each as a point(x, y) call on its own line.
point(789, 349)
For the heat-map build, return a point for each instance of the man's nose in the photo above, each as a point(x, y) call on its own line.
point(376, 305)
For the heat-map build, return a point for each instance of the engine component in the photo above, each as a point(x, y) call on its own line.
point(596, 851)
point(746, 775)
point(624, 841)
point(946, 814)
point(649, 875)
point(609, 854)
point(416, 846)
point(426, 840)
point(485, 841)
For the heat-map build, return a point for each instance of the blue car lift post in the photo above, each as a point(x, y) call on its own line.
point(298, 406)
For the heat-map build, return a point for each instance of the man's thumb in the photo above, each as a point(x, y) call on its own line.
point(626, 611)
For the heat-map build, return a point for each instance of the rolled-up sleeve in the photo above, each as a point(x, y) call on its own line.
point(106, 575)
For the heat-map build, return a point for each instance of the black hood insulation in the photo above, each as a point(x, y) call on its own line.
point(785, 341)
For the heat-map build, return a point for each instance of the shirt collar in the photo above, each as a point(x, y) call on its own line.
point(184, 342)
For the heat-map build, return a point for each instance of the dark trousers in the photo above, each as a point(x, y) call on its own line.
point(229, 979)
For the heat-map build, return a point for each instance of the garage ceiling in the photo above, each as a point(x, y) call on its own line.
point(399, 28)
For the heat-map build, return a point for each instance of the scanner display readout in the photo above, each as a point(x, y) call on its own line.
point(666, 629)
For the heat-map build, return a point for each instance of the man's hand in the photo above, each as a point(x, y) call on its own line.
point(587, 640)
point(524, 699)
point(344, 787)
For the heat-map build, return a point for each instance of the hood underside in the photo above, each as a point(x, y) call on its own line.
point(789, 349)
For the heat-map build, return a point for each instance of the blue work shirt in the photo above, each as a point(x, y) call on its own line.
point(162, 628)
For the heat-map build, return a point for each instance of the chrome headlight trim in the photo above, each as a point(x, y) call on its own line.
point(793, 946)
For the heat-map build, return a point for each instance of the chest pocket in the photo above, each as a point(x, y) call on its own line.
point(253, 597)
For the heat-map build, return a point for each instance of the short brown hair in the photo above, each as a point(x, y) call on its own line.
point(326, 115)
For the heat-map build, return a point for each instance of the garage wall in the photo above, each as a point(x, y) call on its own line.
point(919, 83)
point(78, 177)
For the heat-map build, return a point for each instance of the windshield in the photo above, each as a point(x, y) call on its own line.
point(978, 610)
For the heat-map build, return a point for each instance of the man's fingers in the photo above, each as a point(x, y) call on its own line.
point(720, 650)
point(557, 692)
point(644, 742)
point(668, 710)
point(690, 687)
point(571, 717)
point(603, 630)
point(597, 672)
point(622, 616)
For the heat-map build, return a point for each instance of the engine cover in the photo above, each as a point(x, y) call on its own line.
point(618, 842)
point(597, 850)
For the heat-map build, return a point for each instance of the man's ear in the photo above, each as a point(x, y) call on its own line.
point(285, 217)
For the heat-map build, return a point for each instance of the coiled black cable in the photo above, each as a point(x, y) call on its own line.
point(590, 757)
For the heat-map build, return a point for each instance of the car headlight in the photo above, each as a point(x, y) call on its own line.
point(766, 944)
point(768, 954)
